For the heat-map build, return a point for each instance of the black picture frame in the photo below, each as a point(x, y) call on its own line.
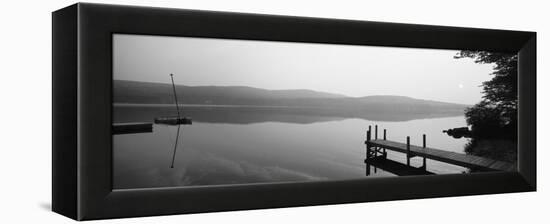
point(82, 90)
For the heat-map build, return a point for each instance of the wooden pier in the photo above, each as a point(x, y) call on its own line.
point(376, 154)
point(131, 128)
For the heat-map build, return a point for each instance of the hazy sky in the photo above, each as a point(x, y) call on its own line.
point(344, 69)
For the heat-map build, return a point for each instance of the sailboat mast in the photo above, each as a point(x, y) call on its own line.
point(175, 96)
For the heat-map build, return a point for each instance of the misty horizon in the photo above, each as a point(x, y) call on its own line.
point(280, 90)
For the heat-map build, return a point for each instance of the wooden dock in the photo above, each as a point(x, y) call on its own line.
point(131, 128)
point(379, 146)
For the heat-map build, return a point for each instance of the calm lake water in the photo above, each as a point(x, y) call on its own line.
point(232, 146)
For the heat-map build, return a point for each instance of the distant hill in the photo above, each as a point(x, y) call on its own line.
point(404, 101)
point(147, 92)
point(307, 101)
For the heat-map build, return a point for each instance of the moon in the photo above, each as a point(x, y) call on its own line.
point(460, 86)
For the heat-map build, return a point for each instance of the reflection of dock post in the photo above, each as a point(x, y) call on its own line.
point(424, 147)
point(408, 151)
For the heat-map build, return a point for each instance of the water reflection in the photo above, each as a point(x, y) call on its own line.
point(250, 115)
point(235, 146)
point(175, 146)
point(393, 167)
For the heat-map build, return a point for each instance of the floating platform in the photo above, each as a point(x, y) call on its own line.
point(131, 128)
point(174, 120)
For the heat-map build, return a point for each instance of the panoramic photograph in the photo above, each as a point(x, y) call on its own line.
point(192, 111)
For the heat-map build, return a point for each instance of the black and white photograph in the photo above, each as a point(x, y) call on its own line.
point(191, 111)
point(275, 111)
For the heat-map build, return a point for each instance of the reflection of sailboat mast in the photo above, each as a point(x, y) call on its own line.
point(175, 146)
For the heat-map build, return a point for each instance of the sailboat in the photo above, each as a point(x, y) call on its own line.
point(179, 120)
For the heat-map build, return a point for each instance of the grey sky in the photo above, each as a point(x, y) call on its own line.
point(349, 70)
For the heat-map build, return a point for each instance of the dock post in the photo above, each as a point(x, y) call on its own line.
point(375, 137)
point(384, 152)
point(369, 129)
point(369, 136)
point(424, 146)
point(367, 142)
point(408, 151)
